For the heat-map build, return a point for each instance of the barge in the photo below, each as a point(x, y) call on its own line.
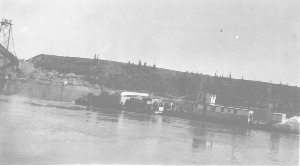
point(204, 109)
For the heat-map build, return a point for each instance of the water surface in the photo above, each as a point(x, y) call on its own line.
point(40, 125)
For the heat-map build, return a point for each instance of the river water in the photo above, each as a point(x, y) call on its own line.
point(40, 125)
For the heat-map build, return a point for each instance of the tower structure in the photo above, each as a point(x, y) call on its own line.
point(5, 32)
point(9, 62)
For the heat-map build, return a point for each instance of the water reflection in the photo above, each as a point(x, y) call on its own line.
point(120, 120)
point(274, 143)
point(45, 92)
point(3, 87)
point(166, 120)
point(243, 131)
point(141, 117)
point(200, 135)
point(114, 118)
point(105, 111)
point(197, 143)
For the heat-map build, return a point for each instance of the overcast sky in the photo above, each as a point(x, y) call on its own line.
point(255, 39)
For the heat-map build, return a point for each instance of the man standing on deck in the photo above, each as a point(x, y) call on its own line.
point(172, 105)
point(251, 117)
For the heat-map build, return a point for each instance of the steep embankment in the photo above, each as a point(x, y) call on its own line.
point(7, 59)
point(26, 68)
point(169, 83)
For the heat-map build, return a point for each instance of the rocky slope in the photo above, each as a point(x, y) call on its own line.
point(169, 83)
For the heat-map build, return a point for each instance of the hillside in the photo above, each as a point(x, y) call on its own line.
point(169, 83)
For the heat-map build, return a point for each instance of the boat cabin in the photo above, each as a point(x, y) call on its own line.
point(278, 117)
point(206, 98)
point(132, 95)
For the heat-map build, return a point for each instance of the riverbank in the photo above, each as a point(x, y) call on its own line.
point(30, 75)
point(39, 76)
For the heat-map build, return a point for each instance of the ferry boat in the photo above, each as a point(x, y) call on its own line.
point(204, 109)
point(130, 101)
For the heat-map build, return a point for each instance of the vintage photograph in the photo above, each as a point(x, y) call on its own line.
point(149, 82)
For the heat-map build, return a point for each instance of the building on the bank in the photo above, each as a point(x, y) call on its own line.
point(73, 79)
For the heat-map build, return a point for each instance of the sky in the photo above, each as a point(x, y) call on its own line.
point(256, 39)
